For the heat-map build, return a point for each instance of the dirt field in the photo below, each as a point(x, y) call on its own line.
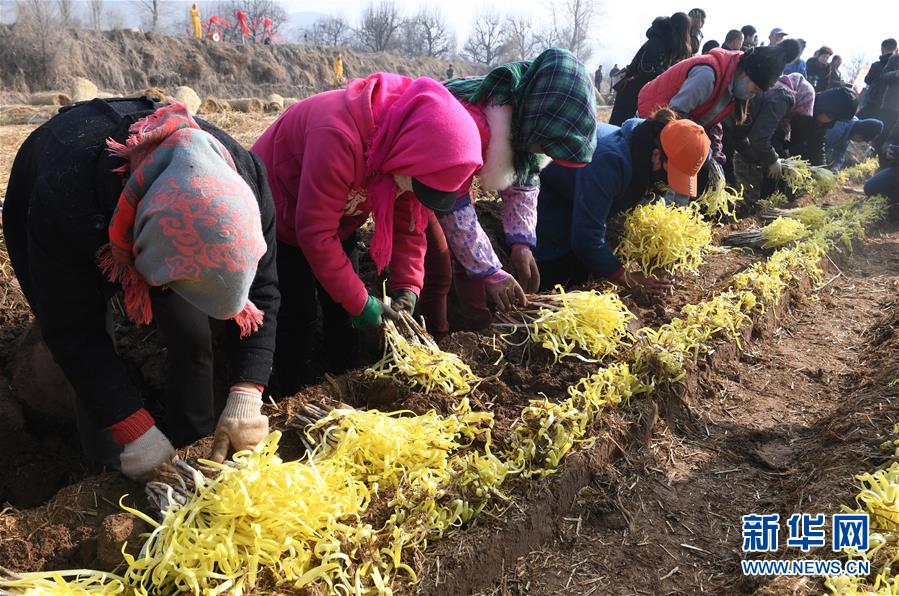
point(653, 506)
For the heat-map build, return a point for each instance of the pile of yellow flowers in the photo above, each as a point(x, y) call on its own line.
point(823, 181)
point(879, 498)
point(778, 233)
point(783, 231)
point(415, 358)
point(812, 217)
point(859, 173)
point(719, 201)
point(303, 523)
point(299, 523)
point(574, 324)
point(665, 237)
point(547, 431)
point(798, 174)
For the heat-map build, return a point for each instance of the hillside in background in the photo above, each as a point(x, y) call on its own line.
point(122, 61)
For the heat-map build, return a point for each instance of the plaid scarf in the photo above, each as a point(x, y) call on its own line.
point(553, 106)
point(185, 220)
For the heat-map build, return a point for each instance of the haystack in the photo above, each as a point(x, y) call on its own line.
point(274, 103)
point(154, 93)
point(83, 90)
point(49, 98)
point(247, 104)
point(189, 97)
point(213, 105)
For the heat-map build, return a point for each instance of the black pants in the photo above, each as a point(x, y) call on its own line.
point(307, 312)
point(625, 106)
point(188, 337)
point(567, 271)
point(188, 397)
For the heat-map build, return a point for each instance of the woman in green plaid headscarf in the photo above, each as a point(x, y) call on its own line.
point(553, 107)
point(528, 113)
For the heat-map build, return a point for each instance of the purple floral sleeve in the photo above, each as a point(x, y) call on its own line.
point(520, 214)
point(467, 240)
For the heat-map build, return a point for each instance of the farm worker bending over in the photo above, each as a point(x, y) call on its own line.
point(831, 106)
point(771, 116)
point(177, 215)
point(575, 205)
point(836, 141)
point(195, 21)
point(708, 88)
point(527, 113)
point(388, 147)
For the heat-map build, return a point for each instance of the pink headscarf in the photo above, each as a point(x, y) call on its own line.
point(411, 128)
point(804, 98)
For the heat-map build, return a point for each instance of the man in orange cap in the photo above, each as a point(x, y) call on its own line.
point(574, 205)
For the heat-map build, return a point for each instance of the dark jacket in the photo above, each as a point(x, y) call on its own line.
point(575, 203)
point(874, 98)
point(889, 80)
point(695, 41)
point(62, 193)
point(808, 134)
point(818, 74)
point(654, 57)
point(766, 111)
point(658, 53)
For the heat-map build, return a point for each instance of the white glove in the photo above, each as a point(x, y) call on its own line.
point(142, 456)
point(241, 425)
point(776, 170)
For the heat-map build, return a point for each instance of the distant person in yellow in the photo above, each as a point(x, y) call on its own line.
point(339, 79)
point(195, 19)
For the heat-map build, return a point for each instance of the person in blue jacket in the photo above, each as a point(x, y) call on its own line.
point(836, 141)
point(575, 204)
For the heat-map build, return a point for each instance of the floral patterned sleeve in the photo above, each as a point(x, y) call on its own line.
point(468, 241)
point(520, 214)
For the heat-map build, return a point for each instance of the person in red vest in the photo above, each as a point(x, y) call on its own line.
point(709, 88)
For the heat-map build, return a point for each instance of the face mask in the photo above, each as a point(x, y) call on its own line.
point(742, 89)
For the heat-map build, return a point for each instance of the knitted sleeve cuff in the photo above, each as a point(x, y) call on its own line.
point(496, 277)
point(132, 428)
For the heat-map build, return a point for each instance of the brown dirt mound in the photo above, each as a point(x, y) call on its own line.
point(121, 61)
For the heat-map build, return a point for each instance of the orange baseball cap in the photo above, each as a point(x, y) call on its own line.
point(687, 147)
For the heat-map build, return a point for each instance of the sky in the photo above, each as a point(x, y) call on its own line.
point(620, 27)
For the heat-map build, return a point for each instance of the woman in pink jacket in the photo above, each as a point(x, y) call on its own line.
point(386, 146)
point(528, 113)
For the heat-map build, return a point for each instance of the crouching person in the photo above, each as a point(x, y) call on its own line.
point(136, 196)
point(575, 204)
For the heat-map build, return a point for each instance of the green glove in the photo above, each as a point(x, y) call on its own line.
point(404, 300)
point(370, 316)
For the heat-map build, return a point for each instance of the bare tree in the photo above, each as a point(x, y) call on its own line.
point(521, 43)
point(331, 31)
point(96, 8)
point(149, 13)
point(852, 67)
point(37, 39)
point(379, 27)
point(568, 27)
point(436, 39)
point(486, 43)
point(67, 13)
